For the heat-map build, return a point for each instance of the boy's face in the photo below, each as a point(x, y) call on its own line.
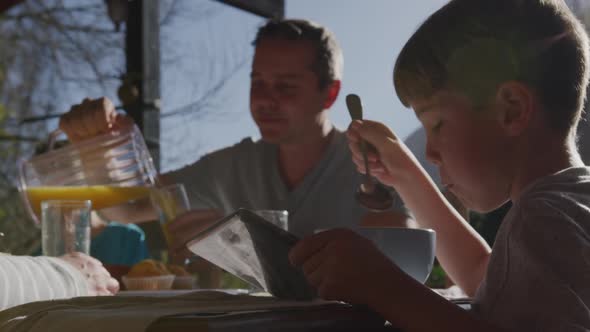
point(469, 148)
point(286, 100)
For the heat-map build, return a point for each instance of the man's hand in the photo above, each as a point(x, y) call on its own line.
point(92, 117)
point(97, 277)
point(187, 225)
point(343, 265)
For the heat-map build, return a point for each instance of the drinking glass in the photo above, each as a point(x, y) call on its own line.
point(169, 202)
point(279, 218)
point(65, 227)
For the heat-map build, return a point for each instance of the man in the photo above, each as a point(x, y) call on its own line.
point(302, 163)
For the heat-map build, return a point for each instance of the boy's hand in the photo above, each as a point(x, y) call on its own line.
point(92, 117)
point(390, 160)
point(345, 266)
point(99, 280)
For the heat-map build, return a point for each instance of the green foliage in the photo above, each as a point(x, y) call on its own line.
point(229, 281)
point(486, 224)
point(437, 277)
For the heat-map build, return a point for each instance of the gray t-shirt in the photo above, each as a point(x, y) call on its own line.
point(246, 175)
point(538, 277)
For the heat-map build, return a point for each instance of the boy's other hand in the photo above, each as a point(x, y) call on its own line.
point(345, 266)
point(98, 279)
point(389, 161)
point(92, 117)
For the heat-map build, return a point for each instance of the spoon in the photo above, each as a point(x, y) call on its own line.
point(371, 194)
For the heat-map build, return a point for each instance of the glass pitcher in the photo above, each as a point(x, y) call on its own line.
point(110, 169)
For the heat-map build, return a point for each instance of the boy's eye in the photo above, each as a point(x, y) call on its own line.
point(437, 126)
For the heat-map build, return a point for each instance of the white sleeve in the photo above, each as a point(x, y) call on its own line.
point(26, 279)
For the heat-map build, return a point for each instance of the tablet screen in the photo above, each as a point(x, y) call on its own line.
point(256, 251)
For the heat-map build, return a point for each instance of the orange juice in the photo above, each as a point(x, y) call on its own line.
point(101, 196)
point(167, 208)
point(169, 201)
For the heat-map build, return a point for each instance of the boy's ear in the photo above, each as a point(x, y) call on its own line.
point(332, 91)
point(516, 104)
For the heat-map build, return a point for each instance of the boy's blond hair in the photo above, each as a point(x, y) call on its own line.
point(472, 46)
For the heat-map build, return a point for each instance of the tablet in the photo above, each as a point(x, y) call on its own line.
point(256, 251)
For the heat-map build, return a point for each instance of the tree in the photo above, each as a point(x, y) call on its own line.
point(55, 52)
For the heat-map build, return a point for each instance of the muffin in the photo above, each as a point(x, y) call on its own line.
point(178, 270)
point(148, 275)
point(183, 280)
point(148, 268)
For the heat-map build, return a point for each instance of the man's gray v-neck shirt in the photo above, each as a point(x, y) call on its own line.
point(247, 175)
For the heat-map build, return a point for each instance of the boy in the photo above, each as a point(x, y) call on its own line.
point(499, 87)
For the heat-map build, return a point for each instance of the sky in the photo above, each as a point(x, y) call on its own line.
point(371, 34)
point(207, 40)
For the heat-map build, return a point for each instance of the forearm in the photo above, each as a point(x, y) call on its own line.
point(462, 252)
point(26, 279)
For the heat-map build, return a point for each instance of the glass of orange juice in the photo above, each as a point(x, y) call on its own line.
point(169, 202)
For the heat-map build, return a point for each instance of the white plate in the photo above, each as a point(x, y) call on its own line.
point(168, 292)
point(175, 292)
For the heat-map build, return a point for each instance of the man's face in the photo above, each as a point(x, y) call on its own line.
point(468, 147)
point(286, 101)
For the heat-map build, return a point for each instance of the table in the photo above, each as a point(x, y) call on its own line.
point(333, 318)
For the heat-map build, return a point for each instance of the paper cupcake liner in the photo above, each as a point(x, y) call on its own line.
point(184, 282)
point(148, 283)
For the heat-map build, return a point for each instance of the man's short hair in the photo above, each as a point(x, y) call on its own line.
point(472, 46)
point(329, 60)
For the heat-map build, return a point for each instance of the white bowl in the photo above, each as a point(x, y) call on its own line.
point(411, 249)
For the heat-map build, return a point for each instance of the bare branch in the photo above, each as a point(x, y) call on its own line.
point(51, 10)
point(206, 98)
